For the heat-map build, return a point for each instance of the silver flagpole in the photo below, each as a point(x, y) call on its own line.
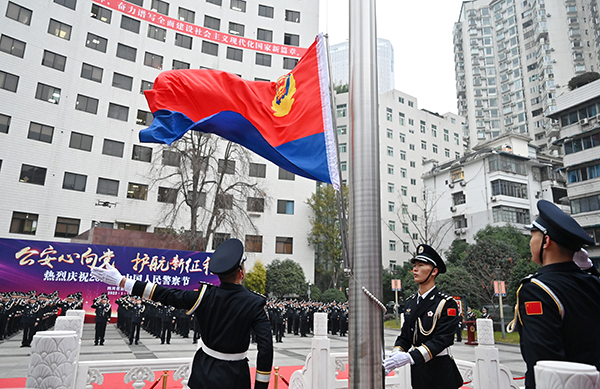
point(366, 318)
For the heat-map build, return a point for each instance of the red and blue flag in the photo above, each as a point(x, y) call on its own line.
point(289, 122)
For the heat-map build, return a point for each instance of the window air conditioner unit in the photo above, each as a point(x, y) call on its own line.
point(584, 122)
point(548, 15)
point(598, 118)
point(463, 230)
point(451, 185)
point(453, 208)
point(463, 183)
point(493, 198)
point(457, 232)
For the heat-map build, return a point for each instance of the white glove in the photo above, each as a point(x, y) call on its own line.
point(397, 360)
point(582, 259)
point(110, 275)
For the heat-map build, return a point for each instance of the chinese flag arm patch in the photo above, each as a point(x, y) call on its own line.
point(533, 308)
point(451, 311)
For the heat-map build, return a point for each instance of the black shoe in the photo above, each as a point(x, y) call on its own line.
point(136, 342)
point(130, 343)
point(194, 342)
point(23, 345)
point(102, 344)
point(163, 342)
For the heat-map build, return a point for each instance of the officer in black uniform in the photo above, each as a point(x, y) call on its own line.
point(30, 319)
point(430, 321)
point(558, 308)
point(137, 318)
point(103, 313)
point(226, 315)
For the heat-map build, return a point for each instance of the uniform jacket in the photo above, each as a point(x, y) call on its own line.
point(226, 314)
point(136, 313)
point(557, 316)
point(103, 312)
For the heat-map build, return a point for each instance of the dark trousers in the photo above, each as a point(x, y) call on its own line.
point(135, 332)
point(99, 333)
point(3, 323)
point(28, 332)
point(279, 332)
point(167, 326)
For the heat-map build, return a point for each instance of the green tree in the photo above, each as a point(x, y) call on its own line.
point(458, 251)
point(285, 278)
point(522, 269)
point(332, 294)
point(256, 279)
point(325, 236)
point(509, 234)
point(457, 282)
point(583, 79)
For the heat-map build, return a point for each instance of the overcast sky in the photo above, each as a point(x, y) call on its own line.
point(421, 34)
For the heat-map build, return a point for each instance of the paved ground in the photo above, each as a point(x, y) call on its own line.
point(14, 360)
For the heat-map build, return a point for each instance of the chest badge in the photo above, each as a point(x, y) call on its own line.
point(408, 310)
point(430, 313)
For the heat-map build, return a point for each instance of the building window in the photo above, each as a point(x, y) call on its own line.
point(153, 60)
point(130, 24)
point(413, 199)
point(131, 226)
point(405, 209)
point(413, 181)
point(86, 104)
point(9, 81)
point(171, 158)
point(434, 148)
point(404, 190)
point(292, 16)
point(258, 170)
point(226, 167)
point(411, 147)
point(402, 137)
point(390, 151)
point(423, 145)
point(392, 225)
point(255, 204)
point(180, 65)
point(167, 195)
point(507, 164)
point(403, 155)
point(146, 85)
point(18, 13)
point(285, 207)
point(162, 7)
point(54, 61)
point(215, 2)
point(137, 191)
point(405, 247)
point(341, 110)
point(253, 243)
point(263, 59)
point(284, 245)
point(107, 187)
point(265, 11)
point(390, 169)
point(447, 153)
point(59, 29)
point(91, 72)
point(224, 201)
point(98, 43)
point(113, 148)
point(47, 93)
point(40, 132)
point(126, 52)
point(289, 63)
point(118, 112)
point(235, 54)
point(212, 23)
point(460, 222)
point(66, 227)
point(81, 141)
point(414, 217)
point(459, 198)
point(144, 118)
point(238, 5)
point(12, 46)
point(510, 215)
point(342, 130)
point(122, 81)
point(391, 206)
point(4, 123)
point(23, 223)
point(218, 238)
point(264, 35)
point(236, 29)
point(101, 13)
point(392, 244)
point(33, 174)
point(141, 153)
point(390, 187)
point(413, 164)
point(509, 188)
point(446, 136)
point(291, 39)
point(403, 172)
point(405, 228)
point(210, 48)
point(184, 41)
point(186, 15)
point(73, 181)
point(343, 148)
point(285, 175)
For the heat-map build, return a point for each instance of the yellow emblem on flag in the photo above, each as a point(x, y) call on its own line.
point(285, 88)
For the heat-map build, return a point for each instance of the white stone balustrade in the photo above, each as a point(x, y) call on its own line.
point(53, 361)
point(76, 312)
point(566, 375)
point(69, 323)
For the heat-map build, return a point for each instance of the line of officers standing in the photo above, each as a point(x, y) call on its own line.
point(297, 317)
point(33, 312)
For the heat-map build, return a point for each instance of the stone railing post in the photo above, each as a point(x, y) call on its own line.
point(77, 312)
point(69, 323)
point(486, 373)
point(317, 371)
point(566, 375)
point(53, 361)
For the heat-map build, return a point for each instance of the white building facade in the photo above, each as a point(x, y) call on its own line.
point(497, 184)
point(578, 116)
point(72, 76)
point(408, 137)
point(513, 58)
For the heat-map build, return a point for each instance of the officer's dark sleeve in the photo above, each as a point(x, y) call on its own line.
point(264, 340)
point(184, 299)
point(540, 319)
point(443, 337)
point(403, 341)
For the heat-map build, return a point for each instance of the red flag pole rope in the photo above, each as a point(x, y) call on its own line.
point(156, 383)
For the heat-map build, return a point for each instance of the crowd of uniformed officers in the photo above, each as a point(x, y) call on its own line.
point(32, 312)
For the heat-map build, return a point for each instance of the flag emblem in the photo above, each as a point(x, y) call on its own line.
point(451, 311)
point(533, 308)
point(285, 89)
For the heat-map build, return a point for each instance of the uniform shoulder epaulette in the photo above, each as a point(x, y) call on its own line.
point(259, 294)
point(528, 278)
point(412, 296)
point(205, 283)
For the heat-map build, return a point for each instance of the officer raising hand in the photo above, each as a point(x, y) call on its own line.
point(226, 315)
